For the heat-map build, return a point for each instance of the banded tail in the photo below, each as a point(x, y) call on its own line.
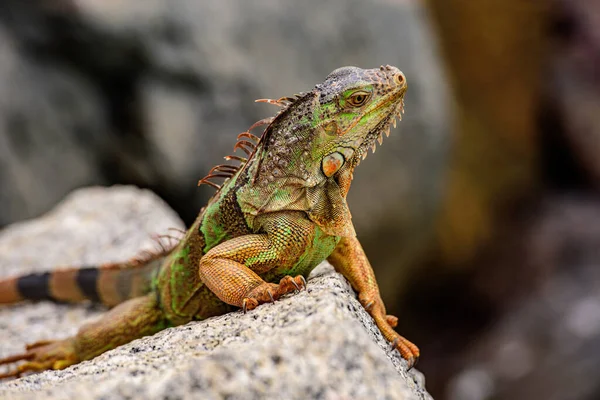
point(108, 284)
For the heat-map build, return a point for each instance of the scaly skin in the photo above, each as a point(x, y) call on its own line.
point(276, 216)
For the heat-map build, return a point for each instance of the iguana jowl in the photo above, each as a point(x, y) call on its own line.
point(275, 217)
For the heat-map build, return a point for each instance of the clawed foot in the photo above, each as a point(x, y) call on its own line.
point(386, 324)
point(408, 350)
point(41, 356)
point(269, 292)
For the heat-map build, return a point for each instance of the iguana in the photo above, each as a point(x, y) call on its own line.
point(275, 217)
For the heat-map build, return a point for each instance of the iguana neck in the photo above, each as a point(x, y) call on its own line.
point(284, 155)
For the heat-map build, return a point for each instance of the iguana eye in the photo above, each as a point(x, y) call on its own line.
point(359, 98)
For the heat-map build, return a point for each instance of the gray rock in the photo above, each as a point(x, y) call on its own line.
point(52, 127)
point(319, 343)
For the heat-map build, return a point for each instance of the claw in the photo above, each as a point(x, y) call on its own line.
point(392, 320)
point(303, 281)
point(249, 304)
point(270, 292)
point(369, 305)
point(414, 363)
point(296, 285)
point(406, 351)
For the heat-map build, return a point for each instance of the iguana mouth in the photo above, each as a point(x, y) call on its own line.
point(376, 134)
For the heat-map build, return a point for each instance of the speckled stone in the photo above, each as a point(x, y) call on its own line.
point(318, 343)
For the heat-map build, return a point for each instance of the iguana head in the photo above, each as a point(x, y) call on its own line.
point(356, 107)
point(333, 125)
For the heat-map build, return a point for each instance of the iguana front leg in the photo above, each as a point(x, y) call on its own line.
point(350, 260)
point(231, 269)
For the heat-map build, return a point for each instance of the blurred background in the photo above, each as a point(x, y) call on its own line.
point(480, 213)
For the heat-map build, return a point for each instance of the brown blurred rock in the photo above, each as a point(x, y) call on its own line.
point(495, 52)
point(546, 347)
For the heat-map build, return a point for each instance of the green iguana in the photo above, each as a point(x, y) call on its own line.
point(276, 216)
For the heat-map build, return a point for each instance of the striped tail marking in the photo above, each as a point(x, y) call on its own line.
point(109, 284)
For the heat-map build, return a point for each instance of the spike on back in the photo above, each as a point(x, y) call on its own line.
point(227, 171)
point(245, 146)
point(164, 244)
point(283, 102)
point(248, 135)
point(236, 158)
point(248, 146)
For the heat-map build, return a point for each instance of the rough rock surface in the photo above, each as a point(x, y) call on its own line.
point(319, 343)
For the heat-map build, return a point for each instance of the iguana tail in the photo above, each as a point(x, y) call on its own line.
point(108, 284)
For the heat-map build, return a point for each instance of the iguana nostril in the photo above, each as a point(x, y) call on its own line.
point(399, 78)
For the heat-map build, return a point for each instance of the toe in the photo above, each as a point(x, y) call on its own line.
point(391, 320)
point(249, 304)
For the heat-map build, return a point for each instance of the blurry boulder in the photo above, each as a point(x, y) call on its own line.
point(575, 89)
point(496, 69)
point(546, 346)
point(52, 127)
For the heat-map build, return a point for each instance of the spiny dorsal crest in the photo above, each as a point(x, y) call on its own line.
point(249, 147)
